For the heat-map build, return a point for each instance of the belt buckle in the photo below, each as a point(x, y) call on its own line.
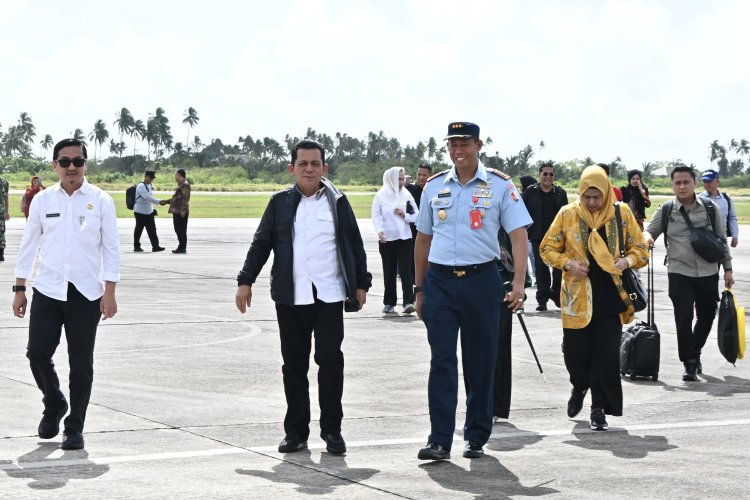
point(459, 274)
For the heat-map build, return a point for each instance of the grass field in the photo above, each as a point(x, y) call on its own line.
point(208, 205)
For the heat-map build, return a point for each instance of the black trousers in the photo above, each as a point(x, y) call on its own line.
point(592, 357)
point(147, 221)
point(688, 294)
point(397, 254)
point(546, 288)
point(80, 317)
point(180, 228)
point(297, 324)
point(501, 390)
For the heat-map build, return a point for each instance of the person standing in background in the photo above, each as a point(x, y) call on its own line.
point(635, 194)
point(144, 213)
point(391, 219)
point(543, 200)
point(4, 214)
point(722, 200)
point(31, 191)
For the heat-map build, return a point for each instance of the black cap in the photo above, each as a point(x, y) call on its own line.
point(462, 129)
point(150, 173)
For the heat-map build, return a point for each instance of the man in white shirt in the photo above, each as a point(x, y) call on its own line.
point(144, 213)
point(319, 268)
point(74, 227)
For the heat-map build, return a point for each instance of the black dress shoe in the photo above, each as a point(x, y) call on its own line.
point(137, 249)
point(541, 307)
point(158, 249)
point(434, 452)
point(690, 373)
point(291, 443)
point(49, 426)
point(334, 443)
point(473, 450)
point(179, 250)
point(72, 440)
point(575, 403)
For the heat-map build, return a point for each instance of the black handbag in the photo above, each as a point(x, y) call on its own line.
point(630, 280)
point(704, 241)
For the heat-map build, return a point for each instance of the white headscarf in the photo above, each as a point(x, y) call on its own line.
point(391, 195)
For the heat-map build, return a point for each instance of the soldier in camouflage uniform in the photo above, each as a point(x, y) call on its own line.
point(4, 215)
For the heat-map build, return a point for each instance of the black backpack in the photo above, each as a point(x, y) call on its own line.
point(130, 197)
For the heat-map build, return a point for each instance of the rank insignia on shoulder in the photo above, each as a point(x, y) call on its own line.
point(499, 173)
point(438, 175)
point(514, 195)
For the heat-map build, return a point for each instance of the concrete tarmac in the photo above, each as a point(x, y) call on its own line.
point(188, 400)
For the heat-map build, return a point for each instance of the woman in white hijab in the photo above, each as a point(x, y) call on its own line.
point(393, 208)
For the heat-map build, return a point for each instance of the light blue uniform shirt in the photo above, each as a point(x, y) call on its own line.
point(444, 213)
point(729, 214)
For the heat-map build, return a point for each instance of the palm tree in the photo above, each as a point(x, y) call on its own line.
point(46, 144)
point(646, 169)
point(27, 129)
point(714, 147)
point(191, 120)
point(80, 136)
point(124, 122)
point(138, 132)
point(431, 148)
point(99, 135)
point(152, 135)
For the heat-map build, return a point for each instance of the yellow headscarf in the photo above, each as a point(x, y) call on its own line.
point(595, 177)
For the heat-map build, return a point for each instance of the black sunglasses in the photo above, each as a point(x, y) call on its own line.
point(77, 162)
point(548, 174)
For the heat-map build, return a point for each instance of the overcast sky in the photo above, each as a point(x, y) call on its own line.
point(644, 80)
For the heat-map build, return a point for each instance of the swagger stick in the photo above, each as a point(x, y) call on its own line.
point(509, 287)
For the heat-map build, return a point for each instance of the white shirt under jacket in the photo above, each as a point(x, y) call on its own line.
point(78, 239)
point(383, 218)
point(315, 257)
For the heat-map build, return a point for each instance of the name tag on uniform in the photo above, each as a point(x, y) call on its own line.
point(53, 215)
point(444, 195)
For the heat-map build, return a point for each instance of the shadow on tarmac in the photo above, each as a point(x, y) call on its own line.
point(512, 443)
point(50, 477)
point(486, 478)
point(714, 386)
point(321, 478)
point(619, 442)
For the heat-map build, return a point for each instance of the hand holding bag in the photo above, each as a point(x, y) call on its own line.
point(630, 280)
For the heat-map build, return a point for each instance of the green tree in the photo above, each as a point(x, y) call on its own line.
point(138, 132)
point(124, 122)
point(714, 149)
point(99, 135)
point(191, 120)
point(46, 144)
point(79, 135)
point(27, 128)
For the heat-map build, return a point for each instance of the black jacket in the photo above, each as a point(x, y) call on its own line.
point(276, 232)
point(532, 197)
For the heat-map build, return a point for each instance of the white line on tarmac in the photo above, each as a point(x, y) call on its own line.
point(357, 444)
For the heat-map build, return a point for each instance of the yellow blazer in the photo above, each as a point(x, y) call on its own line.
point(567, 238)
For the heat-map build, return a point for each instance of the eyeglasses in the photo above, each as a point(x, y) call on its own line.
point(77, 162)
point(548, 174)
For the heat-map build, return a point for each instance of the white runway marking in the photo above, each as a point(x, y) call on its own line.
point(255, 330)
point(87, 462)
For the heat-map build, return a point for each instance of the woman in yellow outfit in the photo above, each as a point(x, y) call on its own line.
point(583, 242)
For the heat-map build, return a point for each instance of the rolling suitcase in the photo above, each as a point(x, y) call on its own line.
point(640, 343)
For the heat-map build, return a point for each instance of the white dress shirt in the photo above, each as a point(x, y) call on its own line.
point(144, 199)
point(383, 218)
point(78, 239)
point(315, 257)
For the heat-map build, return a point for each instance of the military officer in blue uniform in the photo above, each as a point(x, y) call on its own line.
point(458, 286)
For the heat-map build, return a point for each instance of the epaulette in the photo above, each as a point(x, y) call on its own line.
point(438, 175)
point(499, 173)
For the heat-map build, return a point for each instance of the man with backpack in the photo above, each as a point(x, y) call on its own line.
point(145, 213)
point(723, 201)
point(693, 280)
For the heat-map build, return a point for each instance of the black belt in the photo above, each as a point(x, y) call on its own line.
point(462, 271)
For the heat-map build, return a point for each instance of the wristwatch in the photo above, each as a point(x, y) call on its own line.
point(19, 288)
point(417, 289)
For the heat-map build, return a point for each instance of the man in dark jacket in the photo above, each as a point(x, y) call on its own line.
point(319, 265)
point(543, 200)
